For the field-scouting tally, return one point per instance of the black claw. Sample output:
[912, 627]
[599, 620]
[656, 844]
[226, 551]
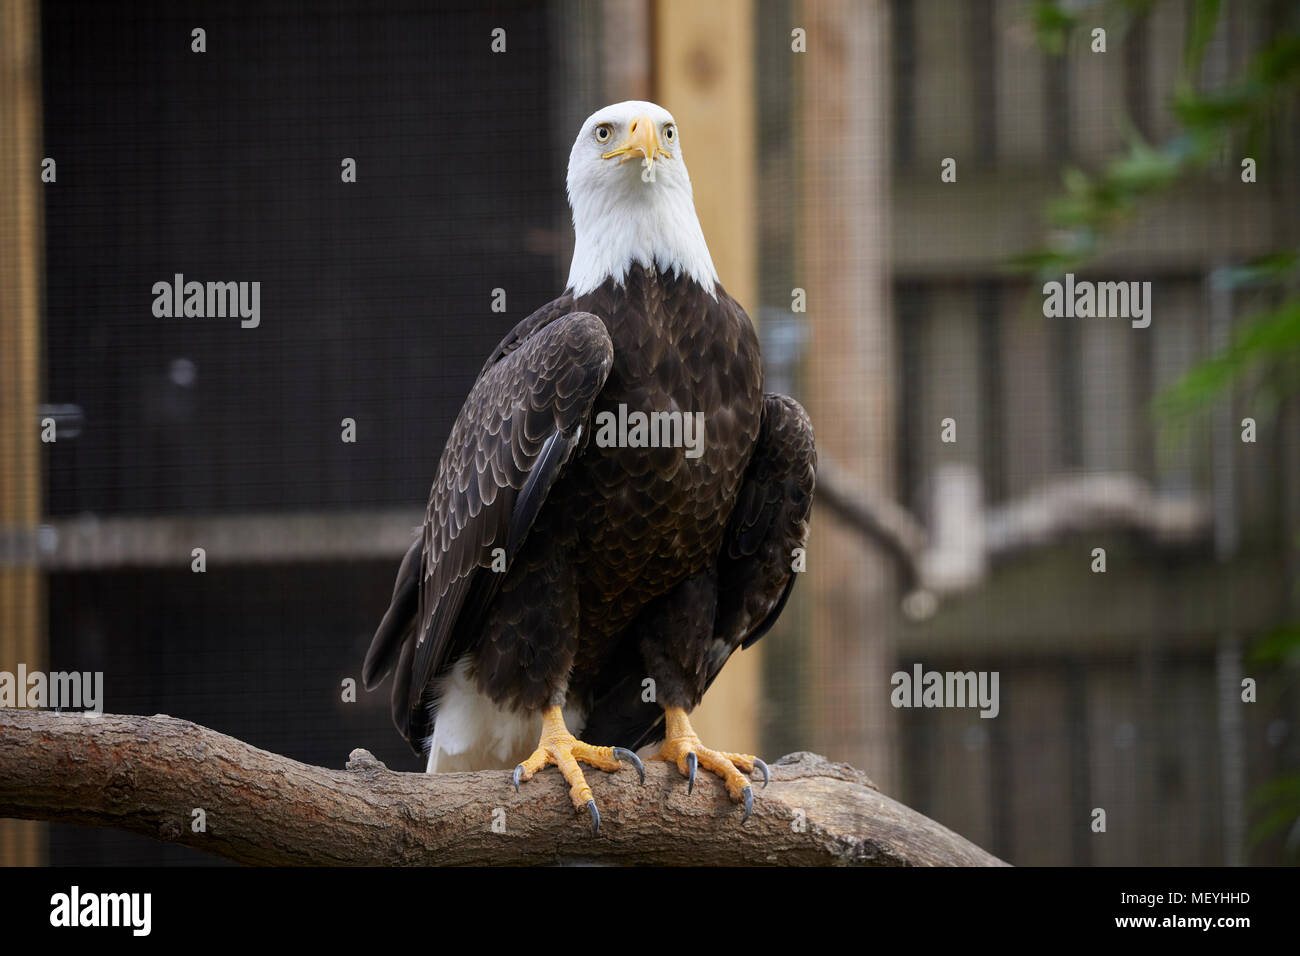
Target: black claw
[767, 774]
[622, 753]
[693, 762]
[595, 817]
[518, 774]
[749, 803]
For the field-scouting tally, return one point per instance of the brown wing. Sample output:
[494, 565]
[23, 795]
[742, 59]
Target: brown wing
[518, 428]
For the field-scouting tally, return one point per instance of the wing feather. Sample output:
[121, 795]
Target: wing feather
[518, 428]
[398, 620]
[770, 520]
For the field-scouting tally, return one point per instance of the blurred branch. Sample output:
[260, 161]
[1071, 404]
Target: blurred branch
[148, 774]
[957, 561]
[1092, 503]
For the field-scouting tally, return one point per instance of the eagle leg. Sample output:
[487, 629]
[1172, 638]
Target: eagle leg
[682, 747]
[558, 746]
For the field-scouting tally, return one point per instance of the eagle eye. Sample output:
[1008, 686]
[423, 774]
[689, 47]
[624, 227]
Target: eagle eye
[670, 132]
[603, 133]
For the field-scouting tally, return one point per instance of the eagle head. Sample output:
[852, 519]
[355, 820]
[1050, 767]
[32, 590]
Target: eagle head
[631, 199]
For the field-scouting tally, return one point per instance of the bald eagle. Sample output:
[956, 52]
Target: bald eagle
[617, 508]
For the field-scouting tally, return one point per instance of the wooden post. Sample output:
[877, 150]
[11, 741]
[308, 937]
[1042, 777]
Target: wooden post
[844, 267]
[626, 49]
[22, 611]
[704, 75]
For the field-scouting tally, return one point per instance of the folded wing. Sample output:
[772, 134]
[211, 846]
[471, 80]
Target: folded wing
[519, 427]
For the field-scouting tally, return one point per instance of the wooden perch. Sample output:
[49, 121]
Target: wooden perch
[149, 774]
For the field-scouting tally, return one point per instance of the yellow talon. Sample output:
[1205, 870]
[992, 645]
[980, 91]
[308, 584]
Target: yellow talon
[682, 747]
[559, 747]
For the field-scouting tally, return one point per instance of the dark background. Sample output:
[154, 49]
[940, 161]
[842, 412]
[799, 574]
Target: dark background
[375, 306]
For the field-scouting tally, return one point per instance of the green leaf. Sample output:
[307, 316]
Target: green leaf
[1052, 24]
[1205, 15]
[1145, 169]
[1265, 270]
[1277, 648]
[1273, 335]
[1279, 788]
[1275, 821]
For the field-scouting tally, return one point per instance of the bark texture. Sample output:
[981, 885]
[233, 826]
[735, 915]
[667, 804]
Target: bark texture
[149, 774]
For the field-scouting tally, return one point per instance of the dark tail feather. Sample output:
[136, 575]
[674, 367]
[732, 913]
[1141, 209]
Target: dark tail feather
[401, 691]
[398, 620]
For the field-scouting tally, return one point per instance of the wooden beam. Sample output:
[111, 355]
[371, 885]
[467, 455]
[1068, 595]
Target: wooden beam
[22, 594]
[970, 233]
[844, 85]
[704, 75]
[626, 48]
[88, 542]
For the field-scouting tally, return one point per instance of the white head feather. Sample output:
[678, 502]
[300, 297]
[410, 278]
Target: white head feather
[625, 212]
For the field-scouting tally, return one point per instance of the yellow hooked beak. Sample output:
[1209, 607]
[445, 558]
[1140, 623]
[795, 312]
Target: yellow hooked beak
[641, 138]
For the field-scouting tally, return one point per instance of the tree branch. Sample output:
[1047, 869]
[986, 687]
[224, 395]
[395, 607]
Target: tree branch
[148, 774]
